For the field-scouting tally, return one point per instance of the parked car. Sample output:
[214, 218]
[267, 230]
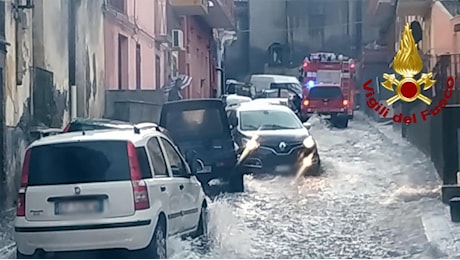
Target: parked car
[233, 99]
[263, 82]
[200, 126]
[239, 88]
[284, 144]
[288, 94]
[87, 124]
[124, 190]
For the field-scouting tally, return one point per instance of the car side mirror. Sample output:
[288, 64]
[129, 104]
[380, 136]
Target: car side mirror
[307, 125]
[233, 121]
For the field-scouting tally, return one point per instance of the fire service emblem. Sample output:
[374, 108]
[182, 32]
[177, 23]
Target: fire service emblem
[407, 63]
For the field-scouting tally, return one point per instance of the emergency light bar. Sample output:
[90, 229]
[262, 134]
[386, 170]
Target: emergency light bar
[327, 56]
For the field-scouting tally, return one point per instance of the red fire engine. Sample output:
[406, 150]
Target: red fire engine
[328, 81]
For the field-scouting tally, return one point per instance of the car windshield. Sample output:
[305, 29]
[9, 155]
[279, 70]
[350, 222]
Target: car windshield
[268, 120]
[325, 92]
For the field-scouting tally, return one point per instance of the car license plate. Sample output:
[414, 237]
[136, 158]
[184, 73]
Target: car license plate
[78, 207]
[282, 168]
[205, 169]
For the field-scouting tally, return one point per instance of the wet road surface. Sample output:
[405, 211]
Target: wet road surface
[367, 204]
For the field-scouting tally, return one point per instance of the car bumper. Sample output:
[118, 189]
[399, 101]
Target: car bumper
[267, 161]
[311, 111]
[52, 236]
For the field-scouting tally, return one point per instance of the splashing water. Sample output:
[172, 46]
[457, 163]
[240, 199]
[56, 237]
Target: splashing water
[251, 145]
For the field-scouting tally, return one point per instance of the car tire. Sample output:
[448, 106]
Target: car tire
[202, 228]
[315, 170]
[157, 248]
[237, 183]
[19, 255]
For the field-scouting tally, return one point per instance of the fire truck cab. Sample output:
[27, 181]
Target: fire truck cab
[328, 87]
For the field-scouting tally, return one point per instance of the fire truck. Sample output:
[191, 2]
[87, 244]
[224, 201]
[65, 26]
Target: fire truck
[328, 87]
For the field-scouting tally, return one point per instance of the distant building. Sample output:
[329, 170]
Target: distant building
[278, 34]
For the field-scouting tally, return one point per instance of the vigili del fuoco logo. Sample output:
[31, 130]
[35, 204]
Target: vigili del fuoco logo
[407, 63]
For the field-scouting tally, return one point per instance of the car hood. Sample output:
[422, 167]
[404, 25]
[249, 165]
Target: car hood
[274, 137]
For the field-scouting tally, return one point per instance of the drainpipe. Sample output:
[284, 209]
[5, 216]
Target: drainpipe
[225, 38]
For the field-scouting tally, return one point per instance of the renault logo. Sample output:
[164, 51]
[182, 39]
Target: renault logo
[77, 190]
[282, 146]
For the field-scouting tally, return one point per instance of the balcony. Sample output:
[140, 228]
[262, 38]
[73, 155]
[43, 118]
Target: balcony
[190, 7]
[413, 7]
[380, 11]
[221, 14]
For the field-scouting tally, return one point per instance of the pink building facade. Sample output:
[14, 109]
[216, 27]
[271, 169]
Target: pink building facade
[134, 59]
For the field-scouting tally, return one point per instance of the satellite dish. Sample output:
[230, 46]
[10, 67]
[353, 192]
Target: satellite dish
[417, 31]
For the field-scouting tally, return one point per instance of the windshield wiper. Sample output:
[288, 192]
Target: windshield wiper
[251, 127]
[275, 127]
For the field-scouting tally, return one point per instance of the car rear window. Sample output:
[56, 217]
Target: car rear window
[325, 92]
[202, 123]
[79, 162]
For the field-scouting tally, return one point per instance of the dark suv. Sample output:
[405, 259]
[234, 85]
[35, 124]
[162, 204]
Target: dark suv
[200, 126]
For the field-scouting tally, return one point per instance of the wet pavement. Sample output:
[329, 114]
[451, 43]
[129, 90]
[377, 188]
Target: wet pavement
[7, 245]
[370, 202]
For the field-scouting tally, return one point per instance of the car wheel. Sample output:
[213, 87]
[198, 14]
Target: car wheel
[22, 256]
[157, 249]
[314, 170]
[160, 246]
[237, 183]
[202, 228]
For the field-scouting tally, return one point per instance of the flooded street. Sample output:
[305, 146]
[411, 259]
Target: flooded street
[366, 204]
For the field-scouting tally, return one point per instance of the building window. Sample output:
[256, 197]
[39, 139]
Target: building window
[119, 5]
[157, 72]
[138, 66]
[122, 62]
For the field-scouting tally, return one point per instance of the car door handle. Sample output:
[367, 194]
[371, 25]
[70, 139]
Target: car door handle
[163, 188]
[181, 187]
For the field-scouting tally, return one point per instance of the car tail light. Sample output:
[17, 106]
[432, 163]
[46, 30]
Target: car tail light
[21, 201]
[305, 65]
[345, 102]
[140, 192]
[306, 102]
[66, 129]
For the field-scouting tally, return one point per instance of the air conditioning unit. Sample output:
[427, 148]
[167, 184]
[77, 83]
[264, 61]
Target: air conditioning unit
[178, 39]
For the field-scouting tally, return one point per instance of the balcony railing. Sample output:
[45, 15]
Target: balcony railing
[190, 7]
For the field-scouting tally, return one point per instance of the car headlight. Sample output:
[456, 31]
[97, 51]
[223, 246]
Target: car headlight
[309, 142]
[250, 144]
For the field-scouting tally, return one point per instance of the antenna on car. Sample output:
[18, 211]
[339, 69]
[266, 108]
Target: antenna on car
[137, 130]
